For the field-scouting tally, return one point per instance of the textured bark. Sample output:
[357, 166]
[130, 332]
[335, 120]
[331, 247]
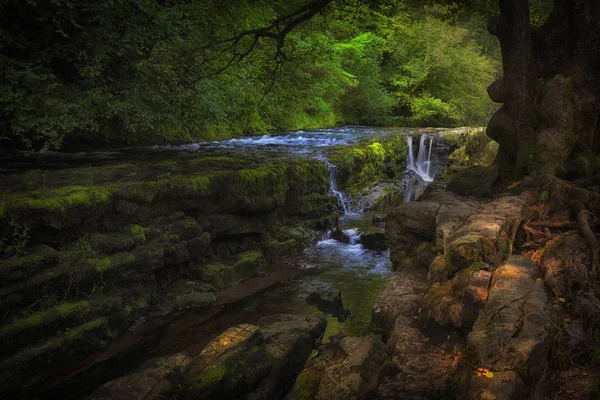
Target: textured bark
[550, 88]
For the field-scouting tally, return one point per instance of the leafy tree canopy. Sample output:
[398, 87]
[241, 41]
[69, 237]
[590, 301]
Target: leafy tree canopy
[156, 70]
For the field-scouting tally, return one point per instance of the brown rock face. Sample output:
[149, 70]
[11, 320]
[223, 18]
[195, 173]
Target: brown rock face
[564, 264]
[347, 369]
[456, 303]
[401, 296]
[420, 370]
[513, 333]
[434, 218]
[488, 234]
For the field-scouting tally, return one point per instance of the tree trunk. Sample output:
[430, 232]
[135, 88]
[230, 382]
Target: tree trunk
[550, 90]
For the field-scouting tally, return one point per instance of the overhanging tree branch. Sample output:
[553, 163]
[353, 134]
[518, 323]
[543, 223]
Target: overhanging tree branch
[277, 30]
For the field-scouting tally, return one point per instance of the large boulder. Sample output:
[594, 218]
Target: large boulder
[564, 264]
[373, 238]
[513, 333]
[345, 370]
[252, 362]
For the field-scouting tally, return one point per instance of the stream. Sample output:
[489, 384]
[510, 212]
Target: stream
[358, 273]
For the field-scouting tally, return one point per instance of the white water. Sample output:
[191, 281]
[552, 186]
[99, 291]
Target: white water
[344, 202]
[422, 164]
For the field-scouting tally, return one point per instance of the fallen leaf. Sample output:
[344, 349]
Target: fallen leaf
[514, 184]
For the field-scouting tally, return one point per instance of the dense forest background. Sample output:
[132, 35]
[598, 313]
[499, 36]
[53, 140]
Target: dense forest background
[112, 71]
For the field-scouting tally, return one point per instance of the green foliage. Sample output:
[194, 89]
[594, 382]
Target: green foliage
[437, 73]
[148, 70]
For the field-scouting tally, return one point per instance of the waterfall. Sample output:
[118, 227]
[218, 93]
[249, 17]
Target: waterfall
[410, 163]
[422, 165]
[343, 200]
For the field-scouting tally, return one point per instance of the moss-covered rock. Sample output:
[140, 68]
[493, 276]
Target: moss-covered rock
[364, 165]
[248, 264]
[253, 361]
[187, 293]
[217, 274]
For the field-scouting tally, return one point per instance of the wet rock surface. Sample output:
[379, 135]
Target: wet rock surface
[252, 362]
[330, 303]
[373, 238]
[245, 361]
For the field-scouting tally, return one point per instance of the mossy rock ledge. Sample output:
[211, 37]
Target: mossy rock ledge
[86, 251]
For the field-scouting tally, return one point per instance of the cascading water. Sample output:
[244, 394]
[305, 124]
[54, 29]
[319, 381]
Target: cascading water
[422, 165]
[344, 203]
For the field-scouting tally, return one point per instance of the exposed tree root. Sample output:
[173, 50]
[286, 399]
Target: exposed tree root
[553, 224]
[588, 234]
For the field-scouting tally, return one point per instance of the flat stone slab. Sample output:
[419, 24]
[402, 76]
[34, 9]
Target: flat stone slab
[487, 235]
[513, 333]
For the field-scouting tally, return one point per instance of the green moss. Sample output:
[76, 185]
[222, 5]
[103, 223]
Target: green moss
[365, 165]
[307, 384]
[137, 231]
[38, 319]
[112, 262]
[59, 208]
[218, 275]
[248, 264]
[18, 268]
[211, 376]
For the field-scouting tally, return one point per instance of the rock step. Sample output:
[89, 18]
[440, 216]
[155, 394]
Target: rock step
[487, 235]
[512, 335]
[244, 362]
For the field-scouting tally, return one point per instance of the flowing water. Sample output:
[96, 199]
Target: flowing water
[358, 273]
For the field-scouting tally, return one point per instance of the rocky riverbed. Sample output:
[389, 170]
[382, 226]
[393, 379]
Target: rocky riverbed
[181, 272]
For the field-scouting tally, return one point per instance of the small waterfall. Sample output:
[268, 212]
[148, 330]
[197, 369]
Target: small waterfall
[343, 200]
[422, 165]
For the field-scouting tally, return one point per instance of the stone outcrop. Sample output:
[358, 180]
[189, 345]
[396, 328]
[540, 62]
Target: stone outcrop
[245, 361]
[487, 236]
[252, 362]
[564, 264]
[512, 335]
[418, 369]
[401, 297]
[433, 218]
[471, 284]
[346, 369]
[457, 302]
